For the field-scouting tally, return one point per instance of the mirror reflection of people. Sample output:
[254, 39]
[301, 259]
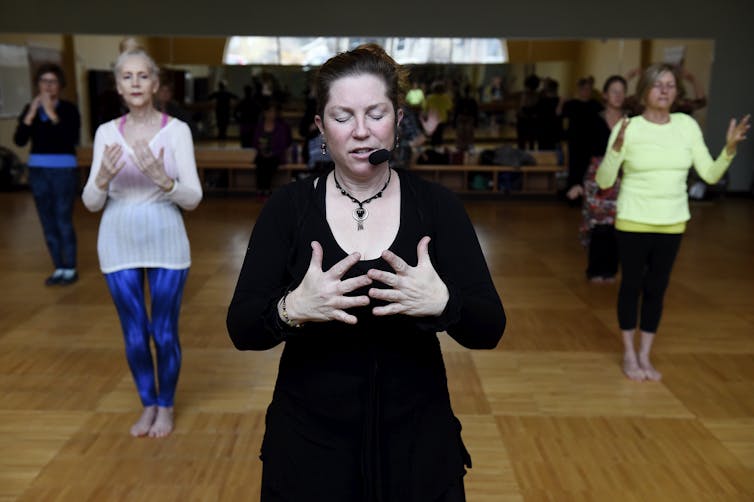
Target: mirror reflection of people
[143, 174]
[223, 99]
[165, 102]
[655, 151]
[581, 114]
[53, 125]
[356, 271]
[271, 140]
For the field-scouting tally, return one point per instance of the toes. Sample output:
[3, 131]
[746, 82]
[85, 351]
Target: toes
[653, 374]
[650, 372]
[634, 372]
[139, 431]
[636, 375]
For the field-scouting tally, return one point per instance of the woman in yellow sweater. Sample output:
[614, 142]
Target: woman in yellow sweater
[656, 150]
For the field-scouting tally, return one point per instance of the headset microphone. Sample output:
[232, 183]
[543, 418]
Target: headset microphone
[379, 156]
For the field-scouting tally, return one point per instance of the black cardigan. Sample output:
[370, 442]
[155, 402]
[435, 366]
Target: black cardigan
[362, 412]
[47, 137]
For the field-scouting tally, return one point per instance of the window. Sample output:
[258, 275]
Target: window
[313, 51]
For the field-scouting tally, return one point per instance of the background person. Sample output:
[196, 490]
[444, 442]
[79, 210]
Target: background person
[143, 174]
[597, 230]
[655, 151]
[53, 126]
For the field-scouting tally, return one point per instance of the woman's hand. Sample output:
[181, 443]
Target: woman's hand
[736, 134]
[49, 105]
[110, 166]
[416, 291]
[574, 192]
[618, 143]
[33, 107]
[153, 167]
[321, 296]
[430, 121]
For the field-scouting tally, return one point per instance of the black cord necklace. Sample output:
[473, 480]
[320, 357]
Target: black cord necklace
[360, 214]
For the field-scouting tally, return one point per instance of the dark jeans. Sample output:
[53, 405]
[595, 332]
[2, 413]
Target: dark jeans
[646, 261]
[603, 252]
[55, 190]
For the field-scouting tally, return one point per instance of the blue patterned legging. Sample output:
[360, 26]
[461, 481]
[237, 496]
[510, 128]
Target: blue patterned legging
[166, 291]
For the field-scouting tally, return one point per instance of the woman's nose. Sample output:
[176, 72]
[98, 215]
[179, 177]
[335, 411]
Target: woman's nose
[360, 128]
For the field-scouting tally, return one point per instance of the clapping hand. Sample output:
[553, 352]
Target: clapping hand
[416, 291]
[153, 167]
[736, 133]
[321, 296]
[111, 165]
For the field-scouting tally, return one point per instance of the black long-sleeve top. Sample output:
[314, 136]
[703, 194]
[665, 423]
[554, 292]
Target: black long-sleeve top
[362, 412]
[47, 137]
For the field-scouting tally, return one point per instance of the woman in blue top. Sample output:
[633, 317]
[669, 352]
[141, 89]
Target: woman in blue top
[53, 125]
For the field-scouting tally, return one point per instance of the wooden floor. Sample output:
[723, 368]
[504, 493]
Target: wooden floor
[547, 415]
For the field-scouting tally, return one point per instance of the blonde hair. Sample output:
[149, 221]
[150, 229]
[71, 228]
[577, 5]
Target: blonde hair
[130, 47]
[652, 75]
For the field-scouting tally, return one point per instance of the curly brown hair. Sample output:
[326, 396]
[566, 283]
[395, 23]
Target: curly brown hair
[50, 68]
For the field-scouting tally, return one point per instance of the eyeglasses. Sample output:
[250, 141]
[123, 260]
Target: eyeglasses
[48, 81]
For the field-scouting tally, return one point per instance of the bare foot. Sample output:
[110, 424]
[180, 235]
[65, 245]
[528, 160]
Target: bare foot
[163, 424]
[650, 371]
[142, 426]
[647, 339]
[632, 370]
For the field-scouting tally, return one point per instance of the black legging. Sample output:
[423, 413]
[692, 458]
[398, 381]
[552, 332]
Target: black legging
[646, 261]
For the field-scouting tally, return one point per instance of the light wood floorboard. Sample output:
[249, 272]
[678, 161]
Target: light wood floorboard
[547, 415]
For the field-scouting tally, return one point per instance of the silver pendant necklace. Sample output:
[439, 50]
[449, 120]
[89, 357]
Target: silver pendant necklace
[360, 214]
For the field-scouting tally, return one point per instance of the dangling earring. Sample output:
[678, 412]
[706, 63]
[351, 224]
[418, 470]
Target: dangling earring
[397, 140]
[323, 148]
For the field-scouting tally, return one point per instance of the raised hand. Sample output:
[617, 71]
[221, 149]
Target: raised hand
[47, 103]
[736, 133]
[574, 192]
[416, 291]
[321, 296]
[618, 143]
[153, 167]
[33, 107]
[632, 73]
[430, 122]
[110, 166]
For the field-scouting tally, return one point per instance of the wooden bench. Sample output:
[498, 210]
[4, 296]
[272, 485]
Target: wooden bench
[221, 169]
[238, 166]
[538, 179]
[232, 170]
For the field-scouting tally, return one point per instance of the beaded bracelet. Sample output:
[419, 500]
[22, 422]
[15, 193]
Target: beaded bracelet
[284, 313]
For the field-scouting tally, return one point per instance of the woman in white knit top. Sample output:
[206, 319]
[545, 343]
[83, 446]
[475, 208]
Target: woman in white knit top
[143, 171]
